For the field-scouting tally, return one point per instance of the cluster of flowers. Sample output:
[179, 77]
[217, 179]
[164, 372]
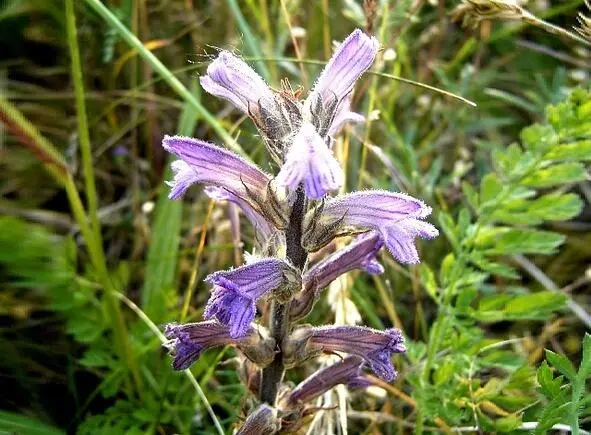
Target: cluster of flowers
[293, 215]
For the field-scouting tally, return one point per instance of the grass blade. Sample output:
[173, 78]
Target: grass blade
[251, 43]
[187, 372]
[83, 135]
[164, 72]
[163, 252]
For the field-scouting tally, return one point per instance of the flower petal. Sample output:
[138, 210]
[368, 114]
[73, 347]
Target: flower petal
[262, 421]
[311, 162]
[371, 208]
[398, 218]
[399, 238]
[360, 253]
[231, 309]
[188, 341]
[331, 93]
[343, 116]
[235, 292]
[346, 371]
[184, 177]
[209, 164]
[230, 78]
[253, 279]
[376, 347]
[261, 225]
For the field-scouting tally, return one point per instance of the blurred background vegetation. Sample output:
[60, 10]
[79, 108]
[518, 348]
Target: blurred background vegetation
[94, 258]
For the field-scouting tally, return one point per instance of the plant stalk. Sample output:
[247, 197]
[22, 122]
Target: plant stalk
[83, 132]
[279, 321]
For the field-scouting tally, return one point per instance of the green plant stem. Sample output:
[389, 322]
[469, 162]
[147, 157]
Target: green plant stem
[249, 39]
[372, 100]
[29, 136]
[93, 235]
[578, 385]
[551, 28]
[164, 72]
[83, 134]
[98, 261]
[265, 23]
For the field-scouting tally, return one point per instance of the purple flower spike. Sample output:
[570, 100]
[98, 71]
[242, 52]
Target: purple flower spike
[375, 347]
[202, 162]
[235, 292]
[310, 161]
[396, 216]
[255, 218]
[188, 341]
[334, 85]
[346, 371]
[230, 78]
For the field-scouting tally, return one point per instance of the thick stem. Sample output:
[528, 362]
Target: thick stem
[279, 322]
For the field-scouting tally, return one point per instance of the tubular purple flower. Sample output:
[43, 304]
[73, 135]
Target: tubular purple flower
[334, 85]
[202, 162]
[344, 116]
[359, 254]
[396, 216]
[188, 341]
[347, 371]
[309, 159]
[236, 291]
[230, 78]
[375, 347]
[352, 58]
[261, 224]
[311, 162]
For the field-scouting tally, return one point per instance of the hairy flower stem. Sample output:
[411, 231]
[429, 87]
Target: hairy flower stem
[279, 322]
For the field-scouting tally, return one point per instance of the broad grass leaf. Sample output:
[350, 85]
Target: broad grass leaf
[162, 254]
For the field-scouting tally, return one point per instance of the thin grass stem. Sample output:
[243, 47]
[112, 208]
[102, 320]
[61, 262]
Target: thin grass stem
[195, 271]
[164, 72]
[144, 318]
[249, 39]
[81, 117]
